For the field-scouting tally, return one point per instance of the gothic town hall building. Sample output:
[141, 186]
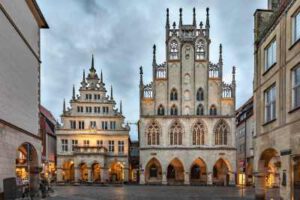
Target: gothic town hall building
[187, 122]
[92, 143]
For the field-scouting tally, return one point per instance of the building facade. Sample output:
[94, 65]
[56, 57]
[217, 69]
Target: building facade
[277, 99]
[134, 160]
[20, 144]
[48, 137]
[187, 112]
[245, 131]
[92, 143]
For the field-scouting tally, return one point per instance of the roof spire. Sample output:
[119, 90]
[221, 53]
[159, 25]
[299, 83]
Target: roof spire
[167, 19]
[111, 93]
[221, 60]
[73, 95]
[233, 75]
[101, 77]
[64, 106]
[180, 17]
[121, 107]
[174, 25]
[207, 25]
[92, 69]
[201, 25]
[141, 76]
[154, 56]
[194, 17]
[83, 82]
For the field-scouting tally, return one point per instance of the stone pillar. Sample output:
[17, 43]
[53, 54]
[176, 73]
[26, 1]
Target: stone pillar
[126, 174]
[186, 178]
[164, 178]
[59, 175]
[142, 177]
[260, 186]
[89, 174]
[209, 178]
[76, 174]
[102, 175]
[231, 178]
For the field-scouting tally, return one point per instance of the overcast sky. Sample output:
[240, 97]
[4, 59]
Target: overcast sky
[121, 34]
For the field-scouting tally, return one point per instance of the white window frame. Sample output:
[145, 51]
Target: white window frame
[270, 54]
[121, 147]
[296, 87]
[296, 27]
[111, 146]
[64, 145]
[74, 144]
[270, 103]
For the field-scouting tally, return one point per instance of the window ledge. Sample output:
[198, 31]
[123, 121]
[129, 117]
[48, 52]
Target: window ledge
[271, 67]
[269, 122]
[294, 109]
[294, 44]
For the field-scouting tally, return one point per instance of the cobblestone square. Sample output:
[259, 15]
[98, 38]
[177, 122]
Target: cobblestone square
[150, 192]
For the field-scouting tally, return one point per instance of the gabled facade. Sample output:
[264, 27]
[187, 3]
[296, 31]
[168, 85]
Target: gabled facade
[187, 112]
[92, 143]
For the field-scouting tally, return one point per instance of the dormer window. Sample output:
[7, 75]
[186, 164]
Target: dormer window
[200, 50]
[174, 50]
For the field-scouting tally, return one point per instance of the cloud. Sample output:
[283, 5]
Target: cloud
[121, 33]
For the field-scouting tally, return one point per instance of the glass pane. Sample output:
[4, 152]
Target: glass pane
[297, 27]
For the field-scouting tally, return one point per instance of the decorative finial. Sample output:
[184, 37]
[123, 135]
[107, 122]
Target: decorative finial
[83, 82]
[64, 106]
[141, 75]
[92, 69]
[174, 25]
[101, 77]
[111, 93]
[207, 26]
[194, 17]
[73, 95]
[121, 107]
[180, 17]
[220, 54]
[201, 25]
[233, 74]
[167, 20]
[154, 56]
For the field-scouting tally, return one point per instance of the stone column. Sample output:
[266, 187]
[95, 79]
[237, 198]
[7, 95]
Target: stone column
[102, 175]
[186, 178]
[126, 174]
[164, 178]
[76, 174]
[260, 186]
[209, 178]
[231, 178]
[89, 174]
[59, 174]
[142, 177]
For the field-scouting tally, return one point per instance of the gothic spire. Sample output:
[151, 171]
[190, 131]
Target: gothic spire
[180, 17]
[111, 93]
[154, 56]
[174, 25]
[221, 60]
[83, 82]
[207, 25]
[121, 107]
[101, 77]
[141, 76]
[64, 106]
[92, 69]
[167, 19]
[194, 17]
[233, 75]
[201, 25]
[73, 93]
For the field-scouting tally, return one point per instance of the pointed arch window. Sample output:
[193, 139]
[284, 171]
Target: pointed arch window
[200, 109]
[198, 133]
[176, 133]
[161, 110]
[153, 134]
[200, 94]
[174, 110]
[173, 95]
[221, 133]
[173, 50]
[213, 110]
[200, 50]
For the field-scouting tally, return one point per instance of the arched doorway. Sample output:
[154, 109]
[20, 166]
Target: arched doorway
[27, 169]
[68, 171]
[175, 172]
[116, 172]
[83, 172]
[267, 183]
[198, 172]
[153, 174]
[297, 180]
[221, 173]
[96, 175]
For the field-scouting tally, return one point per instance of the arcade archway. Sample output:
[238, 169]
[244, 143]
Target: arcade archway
[68, 171]
[96, 175]
[83, 172]
[153, 173]
[198, 172]
[175, 172]
[116, 172]
[221, 173]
